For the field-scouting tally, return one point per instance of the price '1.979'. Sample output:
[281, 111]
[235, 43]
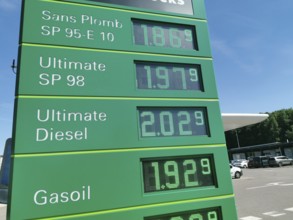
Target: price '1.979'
[165, 76]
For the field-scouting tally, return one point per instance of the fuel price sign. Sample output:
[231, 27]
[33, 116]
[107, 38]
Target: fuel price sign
[117, 114]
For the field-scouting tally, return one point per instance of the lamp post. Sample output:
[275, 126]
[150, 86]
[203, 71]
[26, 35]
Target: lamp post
[237, 138]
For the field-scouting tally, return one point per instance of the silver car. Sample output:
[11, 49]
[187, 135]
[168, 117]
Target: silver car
[280, 161]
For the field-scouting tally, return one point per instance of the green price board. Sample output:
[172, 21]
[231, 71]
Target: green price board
[115, 29]
[70, 124]
[123, 178]
[117, 114]
[70, 71]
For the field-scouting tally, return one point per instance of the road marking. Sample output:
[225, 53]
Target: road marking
[246, 178]
[250, 218]
[287, 184]
[267, 185]
[271, 184]
[289, 209]
[274, 214]
[271, 214]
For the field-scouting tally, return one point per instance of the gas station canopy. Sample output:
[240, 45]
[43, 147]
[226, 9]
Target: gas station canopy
[233, 121]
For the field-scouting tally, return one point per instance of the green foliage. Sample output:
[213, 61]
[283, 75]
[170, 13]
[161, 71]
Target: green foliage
[277, 128]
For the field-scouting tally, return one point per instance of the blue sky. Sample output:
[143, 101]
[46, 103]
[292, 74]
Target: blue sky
[252, 47]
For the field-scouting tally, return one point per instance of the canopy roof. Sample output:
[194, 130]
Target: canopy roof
[232, 121]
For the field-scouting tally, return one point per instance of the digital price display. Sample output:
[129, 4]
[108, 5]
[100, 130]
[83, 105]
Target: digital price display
[178, 173]
[168, 35]
[203, 214]
[172, 121]
[167, 76]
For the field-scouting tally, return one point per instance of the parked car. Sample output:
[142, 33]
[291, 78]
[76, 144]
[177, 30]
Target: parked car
[242, 163]
[280, 161]
[260, 161]
[235, 172]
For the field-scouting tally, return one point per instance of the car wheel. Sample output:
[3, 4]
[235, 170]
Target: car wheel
[237, 175]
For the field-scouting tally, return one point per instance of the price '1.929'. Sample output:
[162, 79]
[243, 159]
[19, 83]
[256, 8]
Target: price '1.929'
[177, 173]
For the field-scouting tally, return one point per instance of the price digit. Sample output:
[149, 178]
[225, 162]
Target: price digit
[155, 165]
[212, 215]
[185, 123]
[188, 35]
[181, 71]
[145, 34]
[174, 36]
[206, 168]
[149, 76]
[189, 172]
[158, 36]
[162, 73]
[199, 119]
[193, 75]
[166, 123]
[148, 124]
[171, 170]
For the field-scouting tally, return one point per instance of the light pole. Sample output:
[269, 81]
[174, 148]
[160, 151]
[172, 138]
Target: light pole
[237, 138]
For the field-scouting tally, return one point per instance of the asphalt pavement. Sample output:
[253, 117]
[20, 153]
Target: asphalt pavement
[265, 194]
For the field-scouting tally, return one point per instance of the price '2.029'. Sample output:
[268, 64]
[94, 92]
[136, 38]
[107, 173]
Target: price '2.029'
[168, 122]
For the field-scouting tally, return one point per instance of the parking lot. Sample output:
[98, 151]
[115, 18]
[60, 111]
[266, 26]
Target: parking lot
[265, 193]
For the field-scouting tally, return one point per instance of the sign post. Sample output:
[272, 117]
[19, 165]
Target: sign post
[117, 114]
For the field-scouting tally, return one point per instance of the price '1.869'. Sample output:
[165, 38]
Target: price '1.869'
[158, 34]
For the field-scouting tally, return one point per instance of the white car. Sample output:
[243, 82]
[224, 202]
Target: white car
[242, 163]
[235, 172]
